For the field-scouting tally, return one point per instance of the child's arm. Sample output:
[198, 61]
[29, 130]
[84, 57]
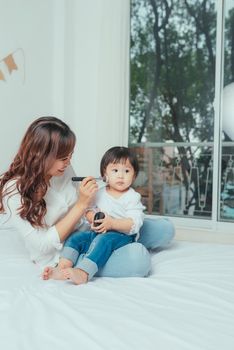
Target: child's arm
[109, 223]
[132, 221]
[122, 225]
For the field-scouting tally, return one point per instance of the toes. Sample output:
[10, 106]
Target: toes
[47, 272]
[67, 274]
[45, 276]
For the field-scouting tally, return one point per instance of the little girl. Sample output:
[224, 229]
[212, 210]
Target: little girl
[121, 225]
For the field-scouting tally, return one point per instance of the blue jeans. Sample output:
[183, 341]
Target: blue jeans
[133, 260]
[96, 247]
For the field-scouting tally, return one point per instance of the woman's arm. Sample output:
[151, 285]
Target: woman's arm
[87, 191]
[112, 224]
[42, 241]
[38, 241]
[130, 223]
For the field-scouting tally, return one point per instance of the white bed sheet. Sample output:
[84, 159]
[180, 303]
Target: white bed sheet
[186, 303]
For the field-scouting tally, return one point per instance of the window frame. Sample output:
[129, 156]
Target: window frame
[214, 223]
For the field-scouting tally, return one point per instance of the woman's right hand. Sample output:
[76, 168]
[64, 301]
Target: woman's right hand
[87, 191]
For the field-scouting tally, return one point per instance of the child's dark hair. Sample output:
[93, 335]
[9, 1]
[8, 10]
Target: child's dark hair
[119, 155]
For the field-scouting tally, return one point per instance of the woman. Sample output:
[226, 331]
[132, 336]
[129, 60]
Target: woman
[38, 199]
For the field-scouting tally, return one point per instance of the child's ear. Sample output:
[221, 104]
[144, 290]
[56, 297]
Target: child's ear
[105, 178]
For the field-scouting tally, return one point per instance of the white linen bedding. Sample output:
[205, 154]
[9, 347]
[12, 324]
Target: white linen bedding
[186, 303]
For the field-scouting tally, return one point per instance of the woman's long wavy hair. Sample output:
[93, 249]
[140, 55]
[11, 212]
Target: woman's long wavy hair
[47, 139]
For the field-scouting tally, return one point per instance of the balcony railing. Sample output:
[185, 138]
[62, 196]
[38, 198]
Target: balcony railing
[176, 179]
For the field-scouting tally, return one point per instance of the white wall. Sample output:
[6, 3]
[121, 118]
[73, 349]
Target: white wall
[96, 78]
[76, 67]
[27, 92]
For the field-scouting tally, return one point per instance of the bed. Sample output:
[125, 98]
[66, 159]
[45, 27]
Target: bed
[186, 303]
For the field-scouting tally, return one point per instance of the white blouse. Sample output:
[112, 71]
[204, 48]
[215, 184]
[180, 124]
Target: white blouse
[43, 244]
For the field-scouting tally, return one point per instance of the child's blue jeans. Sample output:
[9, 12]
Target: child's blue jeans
[96, 247]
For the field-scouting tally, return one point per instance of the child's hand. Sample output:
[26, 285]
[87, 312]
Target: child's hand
[90, 216]
[104, 224]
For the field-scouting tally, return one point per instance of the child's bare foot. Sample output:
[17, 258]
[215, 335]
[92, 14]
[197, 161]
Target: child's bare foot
[54, 273]
[77, 276]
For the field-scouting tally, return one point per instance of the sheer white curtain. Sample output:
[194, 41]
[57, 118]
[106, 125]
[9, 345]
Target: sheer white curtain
[97, 78]
[228, 110]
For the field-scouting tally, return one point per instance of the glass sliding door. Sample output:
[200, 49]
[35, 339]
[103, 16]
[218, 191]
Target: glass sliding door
[172, 92]
[227, 151]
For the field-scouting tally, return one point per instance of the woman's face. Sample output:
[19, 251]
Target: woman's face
[59, 166]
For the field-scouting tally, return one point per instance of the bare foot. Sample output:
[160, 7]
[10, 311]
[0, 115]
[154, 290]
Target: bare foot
[77, 276]
[54, 273]
[64, 263]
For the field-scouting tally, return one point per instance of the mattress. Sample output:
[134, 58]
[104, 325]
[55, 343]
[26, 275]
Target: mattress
[186, 303]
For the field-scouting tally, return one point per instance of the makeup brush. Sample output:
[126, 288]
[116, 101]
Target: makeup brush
[81, 178]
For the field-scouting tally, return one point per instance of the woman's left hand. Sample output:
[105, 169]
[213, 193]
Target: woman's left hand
[105, 224]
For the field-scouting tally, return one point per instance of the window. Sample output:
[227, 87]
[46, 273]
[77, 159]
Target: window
[173, 87]
[227, 164]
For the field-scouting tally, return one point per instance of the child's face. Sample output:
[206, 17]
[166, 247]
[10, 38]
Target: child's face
[120, 176]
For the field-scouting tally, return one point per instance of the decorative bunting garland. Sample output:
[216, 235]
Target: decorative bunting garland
[2, 76]
[10, 63]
